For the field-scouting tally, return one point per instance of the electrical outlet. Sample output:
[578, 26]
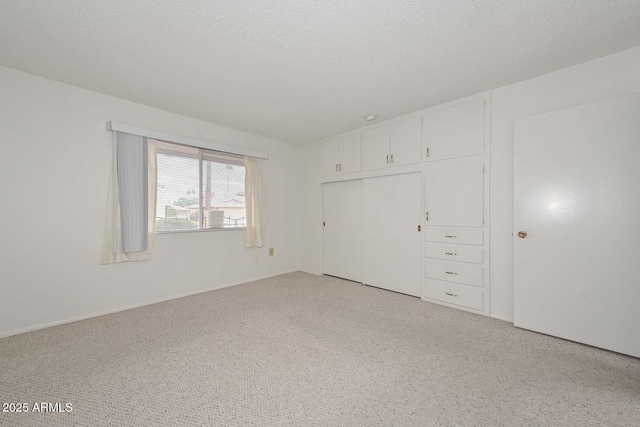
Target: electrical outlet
[255, 257]
[270, 251]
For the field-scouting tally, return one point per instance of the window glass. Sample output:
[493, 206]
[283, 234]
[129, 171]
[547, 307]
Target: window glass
[223, 195]
[199, 189]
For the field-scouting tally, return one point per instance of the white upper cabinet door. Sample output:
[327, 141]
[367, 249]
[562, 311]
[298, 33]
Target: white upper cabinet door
[330, 155]
[454, 196]
[406, 142]
[454, 132]
[350, 154]
[375, 148]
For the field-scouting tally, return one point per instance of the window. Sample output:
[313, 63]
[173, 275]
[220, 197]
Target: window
[199, 189]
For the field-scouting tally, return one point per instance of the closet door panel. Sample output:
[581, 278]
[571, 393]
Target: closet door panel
[454, 196]
[391, 241]
[342, 231]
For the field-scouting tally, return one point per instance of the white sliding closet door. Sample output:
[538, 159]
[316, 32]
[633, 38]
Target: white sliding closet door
[342, 231]
[577, 198]
[391, 241]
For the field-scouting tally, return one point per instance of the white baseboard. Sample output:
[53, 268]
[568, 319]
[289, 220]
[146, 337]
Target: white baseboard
[241, 283]
[136, 305]
[315, 273]
[499, 317]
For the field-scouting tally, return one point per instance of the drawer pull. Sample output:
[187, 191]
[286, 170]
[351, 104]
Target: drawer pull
[450, 253]
[451, 295]
[450, 272]
[451, 237]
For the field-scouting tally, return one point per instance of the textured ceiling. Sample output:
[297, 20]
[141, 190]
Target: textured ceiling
[300, 70]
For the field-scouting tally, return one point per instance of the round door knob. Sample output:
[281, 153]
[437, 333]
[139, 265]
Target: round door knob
[522, 234]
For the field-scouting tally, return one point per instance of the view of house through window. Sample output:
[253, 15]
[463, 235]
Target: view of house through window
[199, 189]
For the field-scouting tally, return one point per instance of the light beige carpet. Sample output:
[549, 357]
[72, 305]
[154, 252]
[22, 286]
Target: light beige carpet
[303, 350]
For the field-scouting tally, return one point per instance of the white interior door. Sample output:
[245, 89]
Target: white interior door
[391, 241]
[454, 195]
[577, 196]
[342, 231]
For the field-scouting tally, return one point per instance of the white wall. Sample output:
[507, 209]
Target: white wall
[606, 77]
[55, 157]
[54, 164]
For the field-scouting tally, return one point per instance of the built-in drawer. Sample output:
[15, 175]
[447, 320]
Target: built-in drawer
[454, 252]
[468, 274]
[454, 235]
[466, 296]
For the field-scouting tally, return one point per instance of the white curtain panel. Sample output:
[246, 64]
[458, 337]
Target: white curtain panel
[254, 203]
[131, 200]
